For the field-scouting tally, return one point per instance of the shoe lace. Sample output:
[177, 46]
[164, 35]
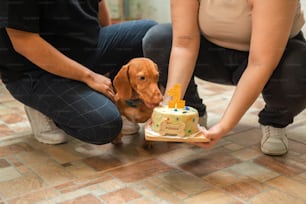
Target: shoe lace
[274, 132]
[47, 122]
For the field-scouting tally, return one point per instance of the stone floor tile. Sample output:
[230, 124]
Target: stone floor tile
[14, 149]
[103, 162]
[35, 197]
[111, 185]
[12, 118]
[214, 196]
[176, 155]
[80, 170]
[158, 191]
[233, 147]
[76, 185]
[4, 163]
[246, 138]
[275, 196]
[281, 167]
[44, 166]
[298, 133]
[5, 130]
[147, 187]
[162, 196]
[247, 154]
[20, 185]
[289, 186]
[244, 190]
[143, 201]
[187, 183]
[224, 177]
[120, 196]
[84, 199]
[8, 173]
[62, 153]
[209, 164]
[298, 147]
[254, 171]
[140, 170]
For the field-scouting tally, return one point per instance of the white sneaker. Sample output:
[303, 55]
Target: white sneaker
[44, 129]
[129, 127]
[274, 140]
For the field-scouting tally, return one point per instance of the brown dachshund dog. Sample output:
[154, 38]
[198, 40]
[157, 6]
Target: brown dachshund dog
[137, 91]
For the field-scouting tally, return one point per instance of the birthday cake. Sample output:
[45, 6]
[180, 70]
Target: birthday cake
[175, 121]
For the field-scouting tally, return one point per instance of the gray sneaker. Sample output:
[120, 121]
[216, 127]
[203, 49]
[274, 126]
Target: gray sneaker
[44, 129]
[129, 127]
[274, 140]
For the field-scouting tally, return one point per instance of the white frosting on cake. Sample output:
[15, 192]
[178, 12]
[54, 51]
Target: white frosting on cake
[175, 121]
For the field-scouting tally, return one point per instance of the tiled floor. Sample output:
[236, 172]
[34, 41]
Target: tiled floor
[235, 171]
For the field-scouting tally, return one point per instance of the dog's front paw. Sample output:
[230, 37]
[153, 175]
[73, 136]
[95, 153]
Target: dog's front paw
[148, 145]
[117, 140]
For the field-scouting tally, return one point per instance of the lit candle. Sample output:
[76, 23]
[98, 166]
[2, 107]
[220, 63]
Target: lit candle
[176, 101]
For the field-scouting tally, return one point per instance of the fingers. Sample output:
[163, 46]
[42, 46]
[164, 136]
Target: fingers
[110, 94]
[212, 136]
[109, 90]
[102, 84]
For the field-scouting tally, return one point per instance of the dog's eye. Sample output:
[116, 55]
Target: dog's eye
[142, 78]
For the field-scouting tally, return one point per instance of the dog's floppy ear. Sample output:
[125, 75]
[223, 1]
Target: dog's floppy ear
[122, 84]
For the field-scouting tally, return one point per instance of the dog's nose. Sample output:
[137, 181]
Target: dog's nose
[157, 97]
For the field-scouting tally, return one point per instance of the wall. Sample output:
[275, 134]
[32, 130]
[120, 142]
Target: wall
[158, 10]
[304, 8]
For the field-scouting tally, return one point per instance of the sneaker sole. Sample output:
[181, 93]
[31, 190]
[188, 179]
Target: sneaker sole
[49, 142]
[273, 153]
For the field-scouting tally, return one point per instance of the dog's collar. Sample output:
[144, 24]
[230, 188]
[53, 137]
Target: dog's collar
[133, 102]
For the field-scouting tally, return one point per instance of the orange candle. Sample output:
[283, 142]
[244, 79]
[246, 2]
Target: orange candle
[176, 101]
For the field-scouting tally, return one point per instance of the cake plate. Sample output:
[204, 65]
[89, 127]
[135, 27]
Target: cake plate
[151, 135]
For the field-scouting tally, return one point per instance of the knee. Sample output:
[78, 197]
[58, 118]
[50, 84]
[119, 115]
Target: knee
[158, 36]
[157, 46]
[287, 85]
[149, 23]
[96, 128]
[105, 132]
[291, 71]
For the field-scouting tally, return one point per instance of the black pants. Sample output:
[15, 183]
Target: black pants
[284, 94]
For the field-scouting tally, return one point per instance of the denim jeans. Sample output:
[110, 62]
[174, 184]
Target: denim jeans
[284, 94]
[77, 109]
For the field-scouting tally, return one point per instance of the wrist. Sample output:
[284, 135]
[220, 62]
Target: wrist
[87, 76]
[225, 127]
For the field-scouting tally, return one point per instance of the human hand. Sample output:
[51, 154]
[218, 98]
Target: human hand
[214, 134]
[101, 84]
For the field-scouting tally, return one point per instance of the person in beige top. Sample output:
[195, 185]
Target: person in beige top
[253, 44]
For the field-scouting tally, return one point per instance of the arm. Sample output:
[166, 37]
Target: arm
[271, 25]
[104, 15]
[186, 42]
[45, 56]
